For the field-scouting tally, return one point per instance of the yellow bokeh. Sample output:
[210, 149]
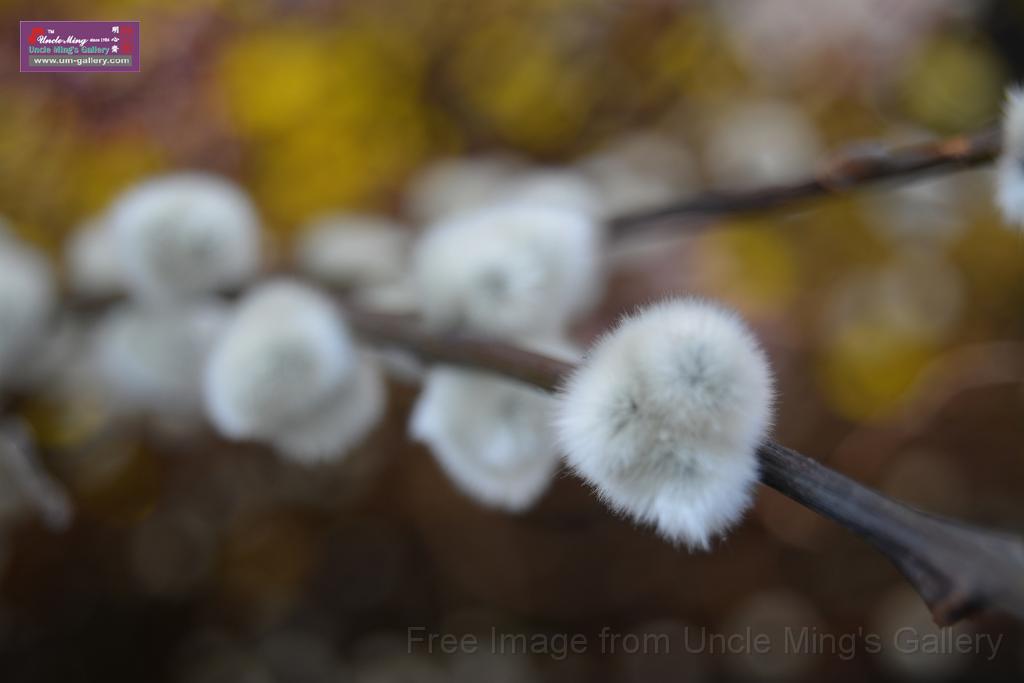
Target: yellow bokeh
[331, 163]
[115, 162]
[523, 87]
[274, 79]
[747, 265]
[74, 170]
[687, 56]
[338, 122]
[954, 84]
[65, 424]
[866, 370]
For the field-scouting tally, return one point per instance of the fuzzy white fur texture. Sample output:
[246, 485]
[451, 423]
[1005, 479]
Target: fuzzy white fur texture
[492, 437]
[640, 171]
[557, 187]
[185, 234]
[340, 422]
[450, 186]
[664, 416]
[285, 352]
[759, 142]
[353, 250]
[509, 270]
[92, 260]
[150, 360]
[1010, 166]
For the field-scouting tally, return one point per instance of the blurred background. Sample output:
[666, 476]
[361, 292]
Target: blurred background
[892, 317]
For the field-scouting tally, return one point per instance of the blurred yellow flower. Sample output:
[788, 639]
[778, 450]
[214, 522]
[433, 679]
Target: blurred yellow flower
[866, 370]
[747, 265]
[516, 78]
[351, 106]
[954, 84]
[274, 79]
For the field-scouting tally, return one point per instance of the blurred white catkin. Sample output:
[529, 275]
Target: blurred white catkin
[1010, 165]
[509, 270]
[284, 352]
[184, 235]
[353, 250]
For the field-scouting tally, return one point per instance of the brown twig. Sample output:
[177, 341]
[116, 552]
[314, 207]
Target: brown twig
[956, 568]
[844, 173]
[457, 349]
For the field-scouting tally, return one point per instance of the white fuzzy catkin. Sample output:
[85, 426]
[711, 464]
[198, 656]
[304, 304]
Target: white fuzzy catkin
[509, 269]
[27, 300]
[150, 360]
[492, 437]
[185, 234]
[664, 416]
[787, 44]
[92, 260]
[560, 188]
[399, 296]
[285, 351]
[759, 142]
[344, 418]
[1010, 166]
[353, 250]
[449, 186]
[638, 171]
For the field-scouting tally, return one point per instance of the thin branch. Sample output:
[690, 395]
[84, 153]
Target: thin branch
[844, 173]
[457, 349]
[956, 568]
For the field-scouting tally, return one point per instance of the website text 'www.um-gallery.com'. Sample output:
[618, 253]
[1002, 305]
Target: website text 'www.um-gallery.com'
[81, 61]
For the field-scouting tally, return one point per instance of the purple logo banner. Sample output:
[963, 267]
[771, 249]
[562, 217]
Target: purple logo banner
[71, 46]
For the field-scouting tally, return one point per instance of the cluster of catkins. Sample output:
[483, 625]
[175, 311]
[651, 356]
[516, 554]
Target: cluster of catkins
[277, 366]
[663, 418]
[663, 415]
